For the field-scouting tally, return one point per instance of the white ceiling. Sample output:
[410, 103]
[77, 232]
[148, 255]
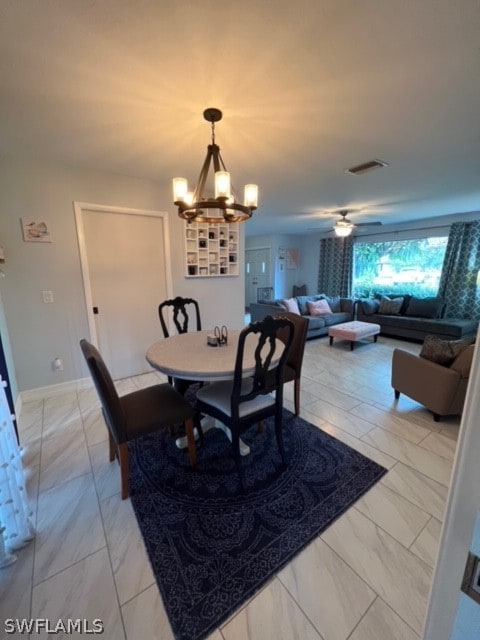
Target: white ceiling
[307, 88]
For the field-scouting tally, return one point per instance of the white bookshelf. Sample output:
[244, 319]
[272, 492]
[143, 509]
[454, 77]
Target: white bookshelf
[211, 250]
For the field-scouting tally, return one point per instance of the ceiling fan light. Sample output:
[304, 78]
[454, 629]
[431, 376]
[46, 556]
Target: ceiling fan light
[342, 231]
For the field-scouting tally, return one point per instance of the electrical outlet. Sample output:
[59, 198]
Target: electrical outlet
[57, 364]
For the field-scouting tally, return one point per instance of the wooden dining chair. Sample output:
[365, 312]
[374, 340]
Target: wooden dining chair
[135, 414]
[182, 311]
[293, 366]
[244, 401]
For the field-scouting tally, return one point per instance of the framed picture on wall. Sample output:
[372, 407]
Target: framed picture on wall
[35, 230]
[293, 258]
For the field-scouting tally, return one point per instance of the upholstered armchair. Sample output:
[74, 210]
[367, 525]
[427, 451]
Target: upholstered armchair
[440, 388]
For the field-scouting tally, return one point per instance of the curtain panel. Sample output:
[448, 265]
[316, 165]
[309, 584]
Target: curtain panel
[336, 266]
[459, 285]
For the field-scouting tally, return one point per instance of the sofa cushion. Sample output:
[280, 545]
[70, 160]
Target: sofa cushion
[316, 322]
[318, 308]
[370, 306]
[335, 303]
[442, 351]
[390, 307]
[291, 305]
[424, 307]
[277, 303]
[337, 318]
[302, 302]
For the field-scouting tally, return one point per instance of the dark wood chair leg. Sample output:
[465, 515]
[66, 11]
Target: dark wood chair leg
[296, 391]
[436, 417]
[331, 340]
[237, 458]
[112, 448]
[352, 344]
[397, 394]
[279, 434]
[192, 449]
[198, 425]
[123, 459]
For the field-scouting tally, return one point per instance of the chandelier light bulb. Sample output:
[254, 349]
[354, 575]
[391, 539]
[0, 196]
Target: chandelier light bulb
[180, 189]
[189, 198]
[251, 195]
[222, 184]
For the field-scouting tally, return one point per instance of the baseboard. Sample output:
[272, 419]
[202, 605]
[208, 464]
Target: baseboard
[31, 395]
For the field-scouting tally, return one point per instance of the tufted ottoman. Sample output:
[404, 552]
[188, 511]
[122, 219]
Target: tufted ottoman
[354, 331]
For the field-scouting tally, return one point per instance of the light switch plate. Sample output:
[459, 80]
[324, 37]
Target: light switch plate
[47, 297]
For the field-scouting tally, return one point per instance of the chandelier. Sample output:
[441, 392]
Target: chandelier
[198, 205]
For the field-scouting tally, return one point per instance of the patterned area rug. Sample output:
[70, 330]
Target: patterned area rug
[212, 546]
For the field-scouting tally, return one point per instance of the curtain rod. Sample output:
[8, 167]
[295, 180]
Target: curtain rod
[383, 233]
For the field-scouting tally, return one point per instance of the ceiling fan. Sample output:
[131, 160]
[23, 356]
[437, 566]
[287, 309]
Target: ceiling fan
[345, 226]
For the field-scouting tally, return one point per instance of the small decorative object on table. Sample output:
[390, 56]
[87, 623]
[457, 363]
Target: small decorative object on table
[219, 338]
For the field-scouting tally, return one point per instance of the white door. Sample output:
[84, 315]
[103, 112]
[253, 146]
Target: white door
[127, 275]
[257, 273]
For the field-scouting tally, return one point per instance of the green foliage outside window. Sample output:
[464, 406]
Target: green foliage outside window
[401, 266]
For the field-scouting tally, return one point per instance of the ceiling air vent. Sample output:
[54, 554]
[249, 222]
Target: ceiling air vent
[366, 166]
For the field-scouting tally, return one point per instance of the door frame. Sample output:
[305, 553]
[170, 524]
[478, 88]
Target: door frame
[79, 209]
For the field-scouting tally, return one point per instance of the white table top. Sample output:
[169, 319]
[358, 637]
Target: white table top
[188, 356]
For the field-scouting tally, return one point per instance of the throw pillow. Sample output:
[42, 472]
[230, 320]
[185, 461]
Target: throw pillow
[442, 351]
[369, 307]
[390, 307]
[319, 308]
[291, 305]
[334, 303]
[424, 307]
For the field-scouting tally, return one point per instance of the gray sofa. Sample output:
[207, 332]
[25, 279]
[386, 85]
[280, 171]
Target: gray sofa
[343, 311]
[415, 319]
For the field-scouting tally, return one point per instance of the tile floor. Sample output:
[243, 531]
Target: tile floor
[367, 577]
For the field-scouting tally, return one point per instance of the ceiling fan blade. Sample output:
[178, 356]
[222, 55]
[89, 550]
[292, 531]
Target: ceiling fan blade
[367, 224]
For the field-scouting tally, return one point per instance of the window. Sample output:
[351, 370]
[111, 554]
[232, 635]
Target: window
[402, 266]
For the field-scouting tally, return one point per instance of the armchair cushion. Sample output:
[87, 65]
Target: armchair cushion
[463, 362]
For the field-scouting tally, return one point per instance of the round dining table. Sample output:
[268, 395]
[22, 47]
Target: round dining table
[190, 357]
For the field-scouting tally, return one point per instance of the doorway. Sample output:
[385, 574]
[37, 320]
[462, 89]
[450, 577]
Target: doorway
[125, 261]
[257, 273]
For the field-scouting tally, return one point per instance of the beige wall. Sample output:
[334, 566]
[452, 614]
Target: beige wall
[39, 332]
